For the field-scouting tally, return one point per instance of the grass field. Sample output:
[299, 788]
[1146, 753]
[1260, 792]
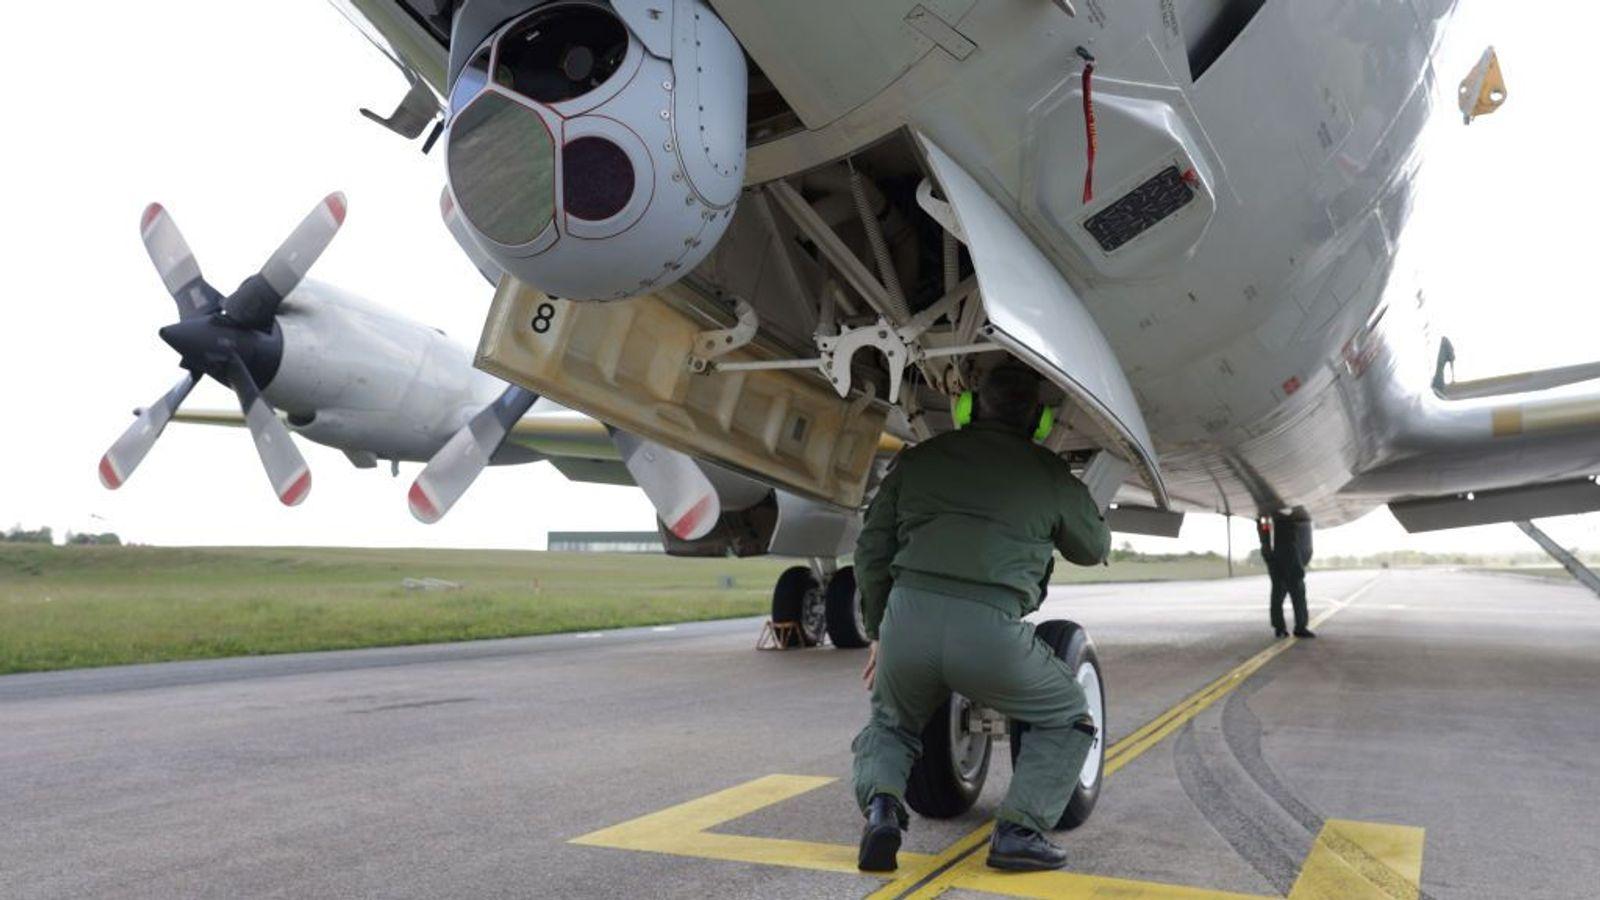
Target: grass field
[67, 607]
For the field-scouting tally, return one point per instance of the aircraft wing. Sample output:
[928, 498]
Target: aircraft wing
[1476, 453]
[564, 436]
[578, 446]
[229, 417]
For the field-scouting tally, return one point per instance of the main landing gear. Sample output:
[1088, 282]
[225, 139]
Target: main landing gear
[824, 602]
[957, 741]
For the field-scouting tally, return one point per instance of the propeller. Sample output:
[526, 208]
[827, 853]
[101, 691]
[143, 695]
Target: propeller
[124, 455]
[457, 464]
[234, 339]
[683, 496]
[681, 493]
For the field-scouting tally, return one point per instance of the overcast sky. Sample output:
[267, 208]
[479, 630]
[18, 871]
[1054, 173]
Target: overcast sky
[239, 117]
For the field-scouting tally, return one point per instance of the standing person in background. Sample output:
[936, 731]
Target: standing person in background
[1286, 549]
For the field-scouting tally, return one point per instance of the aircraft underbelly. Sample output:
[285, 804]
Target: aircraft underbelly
[1237, 232]
[1229, 313]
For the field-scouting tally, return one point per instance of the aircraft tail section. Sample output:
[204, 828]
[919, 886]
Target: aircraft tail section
[1501, 385]
[1475, 453]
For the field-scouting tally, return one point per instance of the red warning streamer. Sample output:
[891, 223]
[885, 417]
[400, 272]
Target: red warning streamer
[1090, 132]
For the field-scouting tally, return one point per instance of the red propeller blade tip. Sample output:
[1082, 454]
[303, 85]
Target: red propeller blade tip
[336, 206]
[108, 474]
[298, 490]
[687, 522]
[421, 506]
[150, 213]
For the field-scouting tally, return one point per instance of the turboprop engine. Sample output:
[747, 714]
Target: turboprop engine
[595, 150]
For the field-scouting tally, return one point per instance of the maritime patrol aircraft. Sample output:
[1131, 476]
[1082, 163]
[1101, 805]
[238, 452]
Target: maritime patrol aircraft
[764, 234]
[1189, 217]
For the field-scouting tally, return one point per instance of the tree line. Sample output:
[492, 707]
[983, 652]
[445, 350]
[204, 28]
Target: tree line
[44, 535]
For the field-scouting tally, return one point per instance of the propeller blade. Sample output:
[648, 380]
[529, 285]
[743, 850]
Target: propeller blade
[683, 496]
[256, 301]
[457, 464]
[175, 261]
[286, 468]
[291, 261]
[125, 455]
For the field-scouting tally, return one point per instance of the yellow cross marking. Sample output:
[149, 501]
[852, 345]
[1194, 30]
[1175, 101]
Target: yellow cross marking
[1354, 860]
[1358, 860]
[685, 830]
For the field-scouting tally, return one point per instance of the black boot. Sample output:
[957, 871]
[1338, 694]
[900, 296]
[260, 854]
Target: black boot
[1303, 632]
[1016, 848]
[1280, 631]
[880, 840]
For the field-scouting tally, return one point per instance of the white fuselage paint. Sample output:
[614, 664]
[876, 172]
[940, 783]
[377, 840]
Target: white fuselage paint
[1242, 324]
[1307, 133]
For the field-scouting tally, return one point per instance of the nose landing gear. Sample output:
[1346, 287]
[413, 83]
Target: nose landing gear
[956, 743]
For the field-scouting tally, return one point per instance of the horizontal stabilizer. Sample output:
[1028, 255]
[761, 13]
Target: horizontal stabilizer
[1520, 382]
[1559, 498]
[1125, 519]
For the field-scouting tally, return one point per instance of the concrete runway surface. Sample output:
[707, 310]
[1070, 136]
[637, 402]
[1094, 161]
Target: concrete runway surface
[1446, 719]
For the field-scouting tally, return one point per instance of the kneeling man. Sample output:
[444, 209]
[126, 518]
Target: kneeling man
[955, 551]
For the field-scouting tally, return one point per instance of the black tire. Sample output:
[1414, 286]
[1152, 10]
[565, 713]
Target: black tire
[846, 626]
[940, 785]
[797, 597]
[1072, 645]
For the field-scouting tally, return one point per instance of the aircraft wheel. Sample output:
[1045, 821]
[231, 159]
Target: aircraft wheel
[797, 597]
[1071, 643]
[947, 779]
[847, 627]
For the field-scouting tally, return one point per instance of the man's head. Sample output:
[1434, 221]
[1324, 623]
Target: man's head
[1009, 395]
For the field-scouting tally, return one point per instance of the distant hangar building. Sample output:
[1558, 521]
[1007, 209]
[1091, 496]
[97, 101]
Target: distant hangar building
[606, 542]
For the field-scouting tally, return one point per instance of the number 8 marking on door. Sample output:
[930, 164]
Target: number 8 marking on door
[542, 316]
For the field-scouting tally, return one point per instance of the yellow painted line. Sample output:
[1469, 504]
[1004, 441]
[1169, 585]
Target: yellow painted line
[1362, 861]
[1348, 861]
[917, 883]
[684, 830]
[974, 875]
[1152, 732]
[926, 875]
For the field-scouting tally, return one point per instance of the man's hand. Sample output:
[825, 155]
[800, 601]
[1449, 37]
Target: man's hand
[869, 675]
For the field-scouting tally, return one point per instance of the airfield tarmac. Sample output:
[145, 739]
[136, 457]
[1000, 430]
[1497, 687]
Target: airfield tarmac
[1441, 719]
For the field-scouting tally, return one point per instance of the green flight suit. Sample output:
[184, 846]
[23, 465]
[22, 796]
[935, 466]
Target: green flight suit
[954, 551]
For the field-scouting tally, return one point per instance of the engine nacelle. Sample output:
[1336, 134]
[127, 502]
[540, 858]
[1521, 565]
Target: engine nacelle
[359, 377]
[596, 149]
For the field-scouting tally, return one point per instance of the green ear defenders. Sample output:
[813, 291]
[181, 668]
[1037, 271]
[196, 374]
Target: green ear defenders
[961, 411]
[1047, 421]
